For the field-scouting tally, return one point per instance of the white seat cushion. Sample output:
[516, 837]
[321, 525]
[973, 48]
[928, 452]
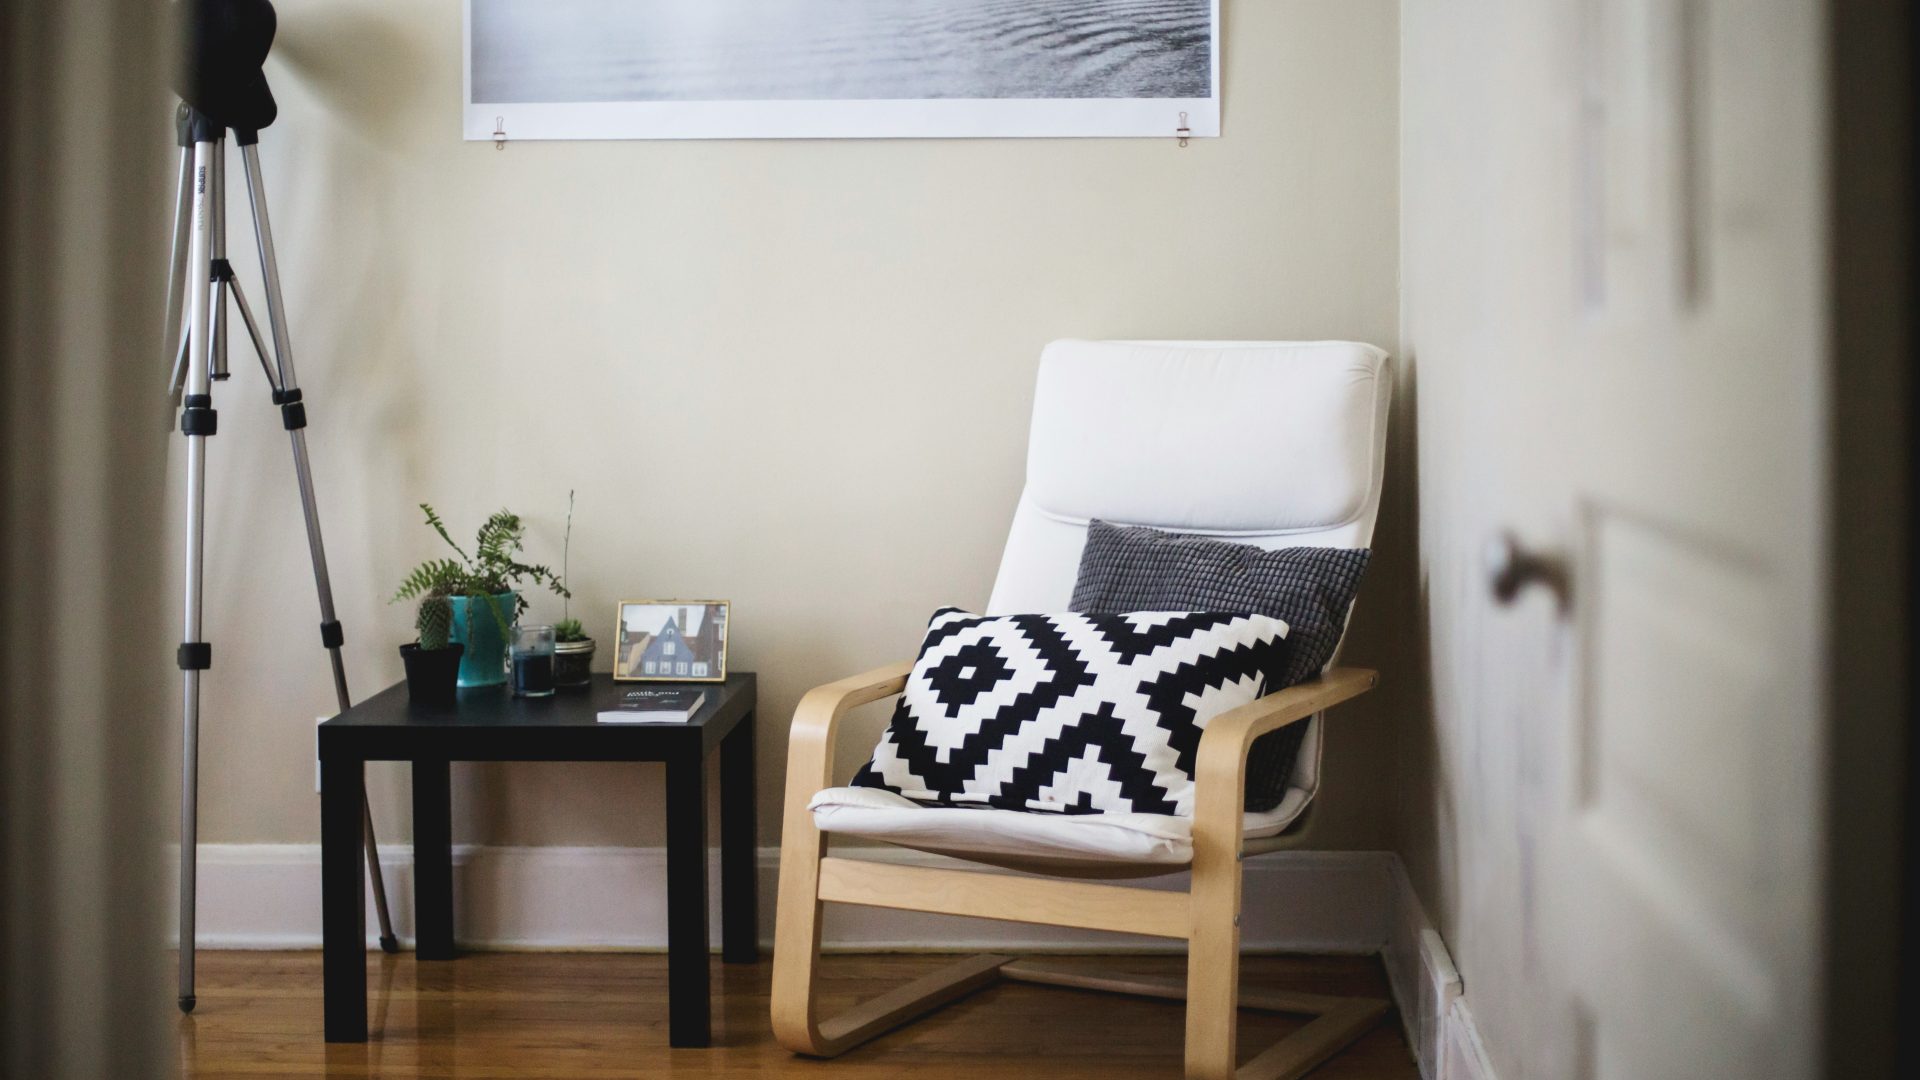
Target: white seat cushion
[1152, 839]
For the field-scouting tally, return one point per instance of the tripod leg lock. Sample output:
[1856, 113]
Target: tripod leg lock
[199, 416]
[293, 414]
[195, 656]
[331, 635]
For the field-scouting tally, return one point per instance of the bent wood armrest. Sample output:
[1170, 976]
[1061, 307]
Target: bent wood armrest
[1220, 774]
[796, 935]
[815, 719]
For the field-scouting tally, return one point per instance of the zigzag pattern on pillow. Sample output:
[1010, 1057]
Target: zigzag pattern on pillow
[1070, 713]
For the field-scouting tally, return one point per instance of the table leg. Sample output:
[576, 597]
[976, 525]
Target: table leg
[432, 860]
[739, 903]
[687, 980]
[343, 899]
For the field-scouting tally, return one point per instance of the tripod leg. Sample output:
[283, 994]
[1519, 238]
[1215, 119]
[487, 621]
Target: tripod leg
[222, 273]
[293, 414]
[176, 275]
[179, 381]
[253, 331]
[197, 422]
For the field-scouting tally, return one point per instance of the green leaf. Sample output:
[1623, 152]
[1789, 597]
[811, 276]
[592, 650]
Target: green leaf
[433, 577]
[440, 527]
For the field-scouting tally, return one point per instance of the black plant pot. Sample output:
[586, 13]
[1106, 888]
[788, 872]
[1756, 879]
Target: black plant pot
[573, 664]
[432, 674]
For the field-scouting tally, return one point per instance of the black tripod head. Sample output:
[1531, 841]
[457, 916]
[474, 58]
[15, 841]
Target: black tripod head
[225, 43]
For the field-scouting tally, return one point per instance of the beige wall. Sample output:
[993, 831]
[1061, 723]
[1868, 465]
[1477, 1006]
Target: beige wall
[792, 374]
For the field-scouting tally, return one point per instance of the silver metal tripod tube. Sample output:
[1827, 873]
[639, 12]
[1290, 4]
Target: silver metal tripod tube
[217, 185]
[204, 279]
[288, 384]
[283, 361]
[199, 291]
[174, 336]
[269, 263]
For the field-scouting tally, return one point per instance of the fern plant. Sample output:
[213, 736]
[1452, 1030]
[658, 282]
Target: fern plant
[493, 568]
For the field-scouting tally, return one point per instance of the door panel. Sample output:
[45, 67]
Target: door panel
[1615, 301]
[1671, 842]
[1688, 876]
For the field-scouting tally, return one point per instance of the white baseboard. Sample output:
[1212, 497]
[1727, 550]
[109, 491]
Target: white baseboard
[1427, 990]
[267, 896]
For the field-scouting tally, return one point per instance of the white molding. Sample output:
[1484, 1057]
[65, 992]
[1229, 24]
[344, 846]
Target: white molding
[1462, 1056]
[267, 896]
[1427, 990]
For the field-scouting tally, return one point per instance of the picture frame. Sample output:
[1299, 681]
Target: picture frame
[814, 69]
[671, 640]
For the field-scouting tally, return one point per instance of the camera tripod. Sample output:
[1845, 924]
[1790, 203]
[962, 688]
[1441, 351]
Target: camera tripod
[199, 282]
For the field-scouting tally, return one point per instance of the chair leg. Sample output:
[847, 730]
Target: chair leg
[1337, 1021]
[908, 1003]
[796, 960]
[1328, 1034]
[796, 937]
[1213, 965]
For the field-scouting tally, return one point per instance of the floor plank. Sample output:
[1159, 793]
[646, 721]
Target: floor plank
[595, 1015]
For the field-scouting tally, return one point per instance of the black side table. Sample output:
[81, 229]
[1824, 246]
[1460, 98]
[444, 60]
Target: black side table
[489, 725]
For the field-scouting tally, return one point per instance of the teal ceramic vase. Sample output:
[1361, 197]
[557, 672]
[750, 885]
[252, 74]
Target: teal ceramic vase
[485, 660]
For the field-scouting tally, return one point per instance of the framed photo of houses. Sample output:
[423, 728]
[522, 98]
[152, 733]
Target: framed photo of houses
[671, 641]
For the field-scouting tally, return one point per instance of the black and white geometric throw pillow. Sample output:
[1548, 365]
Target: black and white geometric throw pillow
[1134, 568]
[1070, 713]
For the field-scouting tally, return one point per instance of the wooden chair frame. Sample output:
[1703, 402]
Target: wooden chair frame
[1207, 916]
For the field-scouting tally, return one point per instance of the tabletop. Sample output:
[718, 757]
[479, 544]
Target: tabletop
[487, 723]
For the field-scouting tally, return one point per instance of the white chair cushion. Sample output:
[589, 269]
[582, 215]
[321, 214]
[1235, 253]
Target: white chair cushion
[1120, 839]
[1252, 438]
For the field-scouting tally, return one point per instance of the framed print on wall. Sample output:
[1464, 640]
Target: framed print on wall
[818, 69]
[670, 641]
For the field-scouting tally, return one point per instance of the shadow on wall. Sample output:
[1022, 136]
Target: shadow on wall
[1375, 743]
[1421, 809]
[357, 66]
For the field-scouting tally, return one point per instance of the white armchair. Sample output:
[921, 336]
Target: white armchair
[1271, 444]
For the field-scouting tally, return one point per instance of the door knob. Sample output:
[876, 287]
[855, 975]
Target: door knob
[1511, 568]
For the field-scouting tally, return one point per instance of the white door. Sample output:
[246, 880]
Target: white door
[1642, 238]
[1690, 854]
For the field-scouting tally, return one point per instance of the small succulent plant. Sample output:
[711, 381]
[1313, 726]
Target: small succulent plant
[435, 622]
[568, 628]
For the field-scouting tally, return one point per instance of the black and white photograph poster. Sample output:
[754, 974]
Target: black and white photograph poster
[777, 69]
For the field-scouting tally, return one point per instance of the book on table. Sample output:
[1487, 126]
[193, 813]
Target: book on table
[655, 705]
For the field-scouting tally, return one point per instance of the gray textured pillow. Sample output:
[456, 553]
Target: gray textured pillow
[1127, 569]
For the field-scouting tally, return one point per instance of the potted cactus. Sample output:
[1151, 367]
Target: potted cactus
[572, 655]
[572, 648]
[433, 660]
[482, 591]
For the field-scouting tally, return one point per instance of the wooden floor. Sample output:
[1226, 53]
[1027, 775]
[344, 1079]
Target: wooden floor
[590, 1015]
